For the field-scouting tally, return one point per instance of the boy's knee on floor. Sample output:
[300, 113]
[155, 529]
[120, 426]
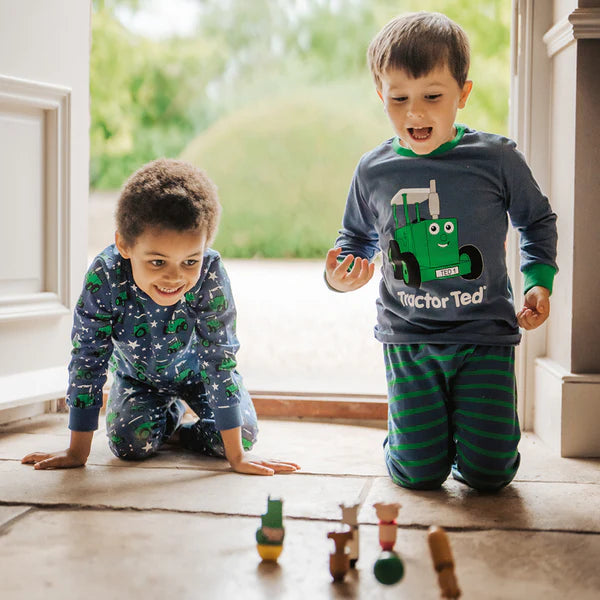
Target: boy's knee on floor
[130, 453]
[434, 484]
[483, 486]
[483, 482]
[413, 479]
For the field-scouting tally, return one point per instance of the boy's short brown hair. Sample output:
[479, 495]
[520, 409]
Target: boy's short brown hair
[418, 43]
[169, 194]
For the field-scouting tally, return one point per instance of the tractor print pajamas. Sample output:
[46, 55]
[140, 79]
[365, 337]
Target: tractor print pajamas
[159, 356]
[445, 312]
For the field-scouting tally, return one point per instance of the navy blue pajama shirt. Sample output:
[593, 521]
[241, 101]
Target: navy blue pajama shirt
[445, 312]
[159, 356]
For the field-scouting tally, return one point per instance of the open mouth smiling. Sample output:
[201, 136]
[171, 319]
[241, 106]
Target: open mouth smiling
[169, 291]
[420, 134]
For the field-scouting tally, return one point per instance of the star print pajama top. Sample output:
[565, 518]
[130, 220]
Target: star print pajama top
[158, 354]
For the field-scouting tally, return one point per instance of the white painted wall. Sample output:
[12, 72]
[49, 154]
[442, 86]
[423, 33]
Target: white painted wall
[562, 169]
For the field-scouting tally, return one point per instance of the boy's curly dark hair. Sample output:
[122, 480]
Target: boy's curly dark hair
[418, 43]
[170, 194]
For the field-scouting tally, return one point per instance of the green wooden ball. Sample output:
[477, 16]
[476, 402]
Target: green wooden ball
[388, 568]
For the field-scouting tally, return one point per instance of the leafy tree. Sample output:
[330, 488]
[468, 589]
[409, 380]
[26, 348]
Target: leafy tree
[148, 97]
[274, 99]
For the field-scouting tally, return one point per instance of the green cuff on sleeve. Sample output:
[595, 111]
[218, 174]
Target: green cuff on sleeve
[538, 274]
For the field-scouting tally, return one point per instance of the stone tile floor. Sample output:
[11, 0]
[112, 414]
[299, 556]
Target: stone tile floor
[180, 526]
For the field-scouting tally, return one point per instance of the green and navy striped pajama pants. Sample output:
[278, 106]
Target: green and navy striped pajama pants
[451, 408]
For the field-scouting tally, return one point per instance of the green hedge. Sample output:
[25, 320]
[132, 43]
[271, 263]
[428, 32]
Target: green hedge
[283, 168]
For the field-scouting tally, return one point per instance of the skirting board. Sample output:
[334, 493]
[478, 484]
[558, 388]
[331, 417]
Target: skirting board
[567, 410]
[32, 386]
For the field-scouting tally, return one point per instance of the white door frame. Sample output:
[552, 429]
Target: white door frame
[530, 75]
[44, 156]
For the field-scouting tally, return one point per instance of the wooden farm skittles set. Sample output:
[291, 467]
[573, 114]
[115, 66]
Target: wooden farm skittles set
[388, 568]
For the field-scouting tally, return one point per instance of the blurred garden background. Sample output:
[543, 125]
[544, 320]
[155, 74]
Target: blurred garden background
[274, 100]
[272, 97]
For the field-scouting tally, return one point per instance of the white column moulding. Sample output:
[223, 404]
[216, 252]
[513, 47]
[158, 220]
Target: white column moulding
[581, 24]
[519, 130]
[43, 110]
[529, 126]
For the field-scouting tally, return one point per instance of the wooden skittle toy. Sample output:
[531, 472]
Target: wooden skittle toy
[443, 562]
[269, 536]
[350, 518]
[388, 528]
[339, 561]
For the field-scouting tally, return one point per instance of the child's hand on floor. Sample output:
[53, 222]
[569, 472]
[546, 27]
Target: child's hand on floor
[243, 462]
[75, 455]
[66, 459]
[536, 308]
[253, 465]
[343, 280]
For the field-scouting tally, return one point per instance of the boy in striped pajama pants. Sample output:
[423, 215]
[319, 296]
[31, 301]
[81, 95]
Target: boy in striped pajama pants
[436, 200]
[451, 402]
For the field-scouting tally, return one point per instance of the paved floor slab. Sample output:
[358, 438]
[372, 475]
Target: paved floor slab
[320, 448]
[53, 423]
[182, 526]
[192, 490]
[108, 554]
[538, 463]
[537, 506]
[14, 446]
[10, 513]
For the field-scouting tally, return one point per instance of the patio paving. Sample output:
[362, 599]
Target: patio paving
[182, 526]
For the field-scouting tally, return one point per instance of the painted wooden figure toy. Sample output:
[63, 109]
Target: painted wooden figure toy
[388, 568]
[388, 528]
[350, 518]
[269, 536]
[443, 562]
[339, 561]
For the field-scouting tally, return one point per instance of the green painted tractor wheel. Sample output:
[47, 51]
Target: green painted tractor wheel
[410, 270]
[476, 261]
[394, 256]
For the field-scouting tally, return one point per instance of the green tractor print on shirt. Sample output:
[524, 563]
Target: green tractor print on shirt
[83, 401]
[121, 298]
[103, 332]
[140, 330]
[228, 363]
[427, 249]
[204, 377]
[175, 326]
[92, 282]
[214, 325]
[231, 389]
[174, 346]
[184, 375]
[217, 301]
[145, 429]
[84, 374]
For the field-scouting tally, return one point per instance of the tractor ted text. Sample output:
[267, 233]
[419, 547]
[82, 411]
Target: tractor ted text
[457, 298]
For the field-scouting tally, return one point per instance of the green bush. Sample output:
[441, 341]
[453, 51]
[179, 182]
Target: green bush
[281, 102]
[283, 168]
